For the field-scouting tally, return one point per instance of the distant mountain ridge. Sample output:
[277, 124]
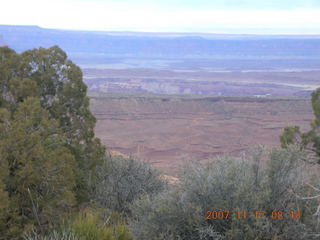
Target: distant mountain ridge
[160, 45]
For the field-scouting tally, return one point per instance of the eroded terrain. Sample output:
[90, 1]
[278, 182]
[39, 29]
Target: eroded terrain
[170, 130]
[255, 83]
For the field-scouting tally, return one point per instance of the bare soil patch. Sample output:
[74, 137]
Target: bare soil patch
[168, 131]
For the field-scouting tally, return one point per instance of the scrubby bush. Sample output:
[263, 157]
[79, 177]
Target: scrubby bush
[99, 225]
[123, 180]
[168, 216]
[310, 140]
[89, 224]
[228, 184]
[55, 235]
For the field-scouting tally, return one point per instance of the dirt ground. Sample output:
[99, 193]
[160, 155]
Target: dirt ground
[169, 131]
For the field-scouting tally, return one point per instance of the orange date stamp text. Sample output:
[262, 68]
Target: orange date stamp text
[259, 214]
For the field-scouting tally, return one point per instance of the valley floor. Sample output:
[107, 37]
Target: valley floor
[167, 130]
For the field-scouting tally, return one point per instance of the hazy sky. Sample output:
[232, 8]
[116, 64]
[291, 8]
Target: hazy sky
[221, 16]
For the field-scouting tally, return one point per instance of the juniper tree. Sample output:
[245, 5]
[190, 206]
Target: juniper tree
[40, 170]
[309, 140]
[48, 151]
[50, 75]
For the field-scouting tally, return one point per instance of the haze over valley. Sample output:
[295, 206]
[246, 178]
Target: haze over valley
[183, 63]
[161, 96]
[160, 120]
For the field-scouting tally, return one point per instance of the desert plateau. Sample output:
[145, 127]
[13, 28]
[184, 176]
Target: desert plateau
[168, 130]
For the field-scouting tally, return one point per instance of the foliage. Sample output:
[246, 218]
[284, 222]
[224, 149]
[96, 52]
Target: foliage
[165, 216]
[4, 171]
[41, 170]
[291, 135]
[51, 164]
[123, 180]
[309, 140]
[51, 76]
[233, 185]
[4, 200]
[55, 235]
[93, 225]
[89, 224]
[48, 151]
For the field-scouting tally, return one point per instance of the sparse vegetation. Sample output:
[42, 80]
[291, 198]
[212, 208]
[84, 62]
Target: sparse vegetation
[58, 182]
[227, 184]
[89, 224]
[48, 151]
[309, 140]
[121, 181]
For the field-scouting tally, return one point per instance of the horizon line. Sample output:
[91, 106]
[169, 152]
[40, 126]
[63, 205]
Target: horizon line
[171, 32]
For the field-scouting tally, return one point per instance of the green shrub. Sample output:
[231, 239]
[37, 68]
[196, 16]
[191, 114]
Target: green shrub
[55, 235]
[48, 150]
[233, 185]
[89, 224]
[168, 216]
[124, 180]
